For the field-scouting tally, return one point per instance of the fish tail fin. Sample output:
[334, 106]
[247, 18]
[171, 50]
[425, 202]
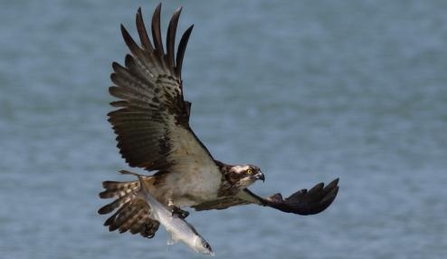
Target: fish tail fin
[132, 213]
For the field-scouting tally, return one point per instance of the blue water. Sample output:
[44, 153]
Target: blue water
[307, 90]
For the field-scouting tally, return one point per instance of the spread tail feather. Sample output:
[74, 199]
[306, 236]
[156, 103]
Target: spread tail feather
[115, 189]
[132, 214]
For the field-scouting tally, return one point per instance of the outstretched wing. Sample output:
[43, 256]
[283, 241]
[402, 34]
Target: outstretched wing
[302, 202]
[152, 122]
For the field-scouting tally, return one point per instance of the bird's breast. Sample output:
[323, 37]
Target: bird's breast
[188, 188]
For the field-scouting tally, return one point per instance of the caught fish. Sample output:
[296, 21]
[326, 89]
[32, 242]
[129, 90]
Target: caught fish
[179, 229]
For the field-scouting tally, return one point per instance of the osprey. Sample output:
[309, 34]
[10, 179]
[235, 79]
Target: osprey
[153, 132]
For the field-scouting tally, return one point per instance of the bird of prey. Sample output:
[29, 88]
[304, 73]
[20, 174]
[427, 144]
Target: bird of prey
[151, 121]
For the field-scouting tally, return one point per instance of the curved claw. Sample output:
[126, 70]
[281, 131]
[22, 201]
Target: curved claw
[179, 212]
[306, 202]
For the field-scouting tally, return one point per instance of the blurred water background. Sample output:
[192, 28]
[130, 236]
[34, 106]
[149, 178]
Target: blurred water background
[307, 90]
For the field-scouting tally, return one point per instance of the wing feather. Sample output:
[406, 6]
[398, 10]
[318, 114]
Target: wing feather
[144, 38]
[170, 37]
[181, 50]
[302, 202]
[152, 119]
[156, 33]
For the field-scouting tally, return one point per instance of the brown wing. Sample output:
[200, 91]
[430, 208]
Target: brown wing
[152, 122]
[302, 202]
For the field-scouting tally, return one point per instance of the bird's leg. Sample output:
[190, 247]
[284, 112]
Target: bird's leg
[177, 211]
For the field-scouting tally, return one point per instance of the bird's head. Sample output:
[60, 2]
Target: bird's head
[244, 175]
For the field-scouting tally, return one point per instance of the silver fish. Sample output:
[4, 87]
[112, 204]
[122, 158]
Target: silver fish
[179, 229]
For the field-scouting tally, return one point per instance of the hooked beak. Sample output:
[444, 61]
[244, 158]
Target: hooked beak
[260, 176]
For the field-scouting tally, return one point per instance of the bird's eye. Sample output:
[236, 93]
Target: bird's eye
[249, 171]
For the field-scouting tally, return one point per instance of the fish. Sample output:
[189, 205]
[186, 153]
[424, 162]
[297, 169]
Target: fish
[178, 227]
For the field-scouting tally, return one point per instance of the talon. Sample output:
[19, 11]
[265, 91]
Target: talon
[184, 214]
[147, 231]
[179, 212]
